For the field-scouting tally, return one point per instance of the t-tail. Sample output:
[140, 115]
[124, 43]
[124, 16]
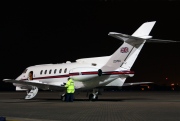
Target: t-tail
[128, 52]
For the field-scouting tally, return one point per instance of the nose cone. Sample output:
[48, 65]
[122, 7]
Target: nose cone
[21, 77]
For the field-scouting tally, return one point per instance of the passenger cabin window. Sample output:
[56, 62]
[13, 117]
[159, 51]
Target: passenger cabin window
[65, 70]
[30, 75]
[41, 72]
[55, 71]
[60, 70]
[50, 71]
[45, 72]
[93, 64]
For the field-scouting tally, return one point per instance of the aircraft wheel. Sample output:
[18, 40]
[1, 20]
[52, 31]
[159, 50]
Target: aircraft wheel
[97, 97]
[91, 97]
[63, 97]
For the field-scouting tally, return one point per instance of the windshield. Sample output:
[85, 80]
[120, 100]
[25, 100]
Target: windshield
[25, 71]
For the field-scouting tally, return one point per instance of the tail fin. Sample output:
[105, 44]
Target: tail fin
[144, 29]
[127, 53]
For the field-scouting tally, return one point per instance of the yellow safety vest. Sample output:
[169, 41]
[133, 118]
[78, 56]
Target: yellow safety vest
[70, 86]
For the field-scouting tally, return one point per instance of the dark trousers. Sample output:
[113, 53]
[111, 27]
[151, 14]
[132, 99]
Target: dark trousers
[69, 97]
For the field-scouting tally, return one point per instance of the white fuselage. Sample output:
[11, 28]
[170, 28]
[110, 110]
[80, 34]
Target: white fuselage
[85, 75]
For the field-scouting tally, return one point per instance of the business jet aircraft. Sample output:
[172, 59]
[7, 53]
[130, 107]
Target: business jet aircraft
[89, 73]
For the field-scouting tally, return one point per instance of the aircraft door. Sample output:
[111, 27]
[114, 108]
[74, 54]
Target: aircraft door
[30, 76]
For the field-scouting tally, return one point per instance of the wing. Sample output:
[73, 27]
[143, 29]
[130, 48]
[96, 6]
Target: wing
[136, 83]
[37, 83]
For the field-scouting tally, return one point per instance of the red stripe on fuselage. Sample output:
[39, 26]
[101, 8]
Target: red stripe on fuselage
[84, 73]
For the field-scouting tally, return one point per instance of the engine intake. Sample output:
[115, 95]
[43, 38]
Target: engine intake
[99, 72]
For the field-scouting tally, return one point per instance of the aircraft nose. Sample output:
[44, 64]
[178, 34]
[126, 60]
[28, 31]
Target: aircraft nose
[20, 77]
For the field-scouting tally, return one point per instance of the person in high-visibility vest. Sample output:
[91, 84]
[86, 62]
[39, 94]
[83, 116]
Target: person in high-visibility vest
[70, 90]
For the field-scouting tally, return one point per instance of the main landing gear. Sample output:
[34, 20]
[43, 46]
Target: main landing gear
[94, 95]
[63, 97]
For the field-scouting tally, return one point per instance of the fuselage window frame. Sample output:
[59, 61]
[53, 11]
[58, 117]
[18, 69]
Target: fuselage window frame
[50, 71]
[55, 71]
[60, 70]
[41, 72]
[65, 70]
[45, 71]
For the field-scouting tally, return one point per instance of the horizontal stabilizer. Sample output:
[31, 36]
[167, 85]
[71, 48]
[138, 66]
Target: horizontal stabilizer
[126, 38]
[160, 41]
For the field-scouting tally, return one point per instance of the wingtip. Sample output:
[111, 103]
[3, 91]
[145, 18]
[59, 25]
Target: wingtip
[151, 21]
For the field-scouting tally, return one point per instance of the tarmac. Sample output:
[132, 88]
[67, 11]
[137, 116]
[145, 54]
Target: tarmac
[111, 106]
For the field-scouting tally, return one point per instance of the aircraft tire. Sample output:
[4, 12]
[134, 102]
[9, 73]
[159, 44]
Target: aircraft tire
[96, 97]
[63, 98]
[91, 97]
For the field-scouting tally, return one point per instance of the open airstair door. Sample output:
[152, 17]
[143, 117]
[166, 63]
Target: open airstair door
[34, 90]
[32, 93]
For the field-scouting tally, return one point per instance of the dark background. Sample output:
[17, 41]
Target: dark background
[56, 32]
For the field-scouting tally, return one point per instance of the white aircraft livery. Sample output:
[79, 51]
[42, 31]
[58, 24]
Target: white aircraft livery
[89, 73]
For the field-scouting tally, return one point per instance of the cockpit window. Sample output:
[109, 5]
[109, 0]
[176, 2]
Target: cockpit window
[25, 71]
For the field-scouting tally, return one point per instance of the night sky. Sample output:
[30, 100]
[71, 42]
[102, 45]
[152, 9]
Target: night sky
[50, 32]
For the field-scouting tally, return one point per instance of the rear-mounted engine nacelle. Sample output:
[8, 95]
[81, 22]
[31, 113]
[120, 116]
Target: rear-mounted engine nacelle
[82, 74]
